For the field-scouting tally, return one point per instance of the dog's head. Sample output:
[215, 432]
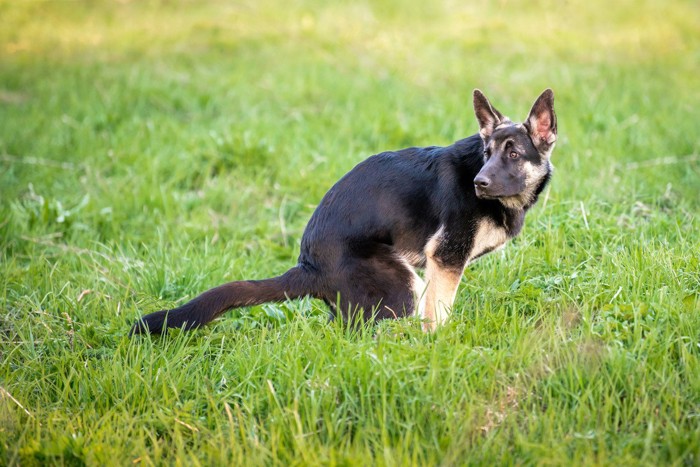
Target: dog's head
[516, 155]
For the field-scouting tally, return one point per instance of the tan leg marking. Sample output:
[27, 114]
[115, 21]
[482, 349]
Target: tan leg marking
[419, 295]
[440, 295]
[442, 287]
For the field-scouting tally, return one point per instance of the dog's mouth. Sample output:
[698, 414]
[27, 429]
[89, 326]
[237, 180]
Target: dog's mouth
[509, 201]
[500, 194]
[484, 194]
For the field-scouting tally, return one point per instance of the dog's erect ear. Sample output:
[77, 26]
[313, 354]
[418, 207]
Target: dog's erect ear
[488, 117]
[542, 121]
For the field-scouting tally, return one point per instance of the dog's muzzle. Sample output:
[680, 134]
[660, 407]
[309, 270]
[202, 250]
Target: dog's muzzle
[481, 185]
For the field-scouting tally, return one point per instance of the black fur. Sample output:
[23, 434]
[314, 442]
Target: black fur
[383, 213]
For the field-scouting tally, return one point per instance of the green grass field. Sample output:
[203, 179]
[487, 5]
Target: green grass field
[149, 151]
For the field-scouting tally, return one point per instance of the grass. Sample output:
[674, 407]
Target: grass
[149, 151]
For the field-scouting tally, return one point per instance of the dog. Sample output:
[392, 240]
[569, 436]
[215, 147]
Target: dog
[434, 208]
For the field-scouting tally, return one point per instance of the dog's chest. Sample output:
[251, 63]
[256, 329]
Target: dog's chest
[488, 237]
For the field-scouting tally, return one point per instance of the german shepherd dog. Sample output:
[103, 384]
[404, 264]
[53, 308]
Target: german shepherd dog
[437, 208]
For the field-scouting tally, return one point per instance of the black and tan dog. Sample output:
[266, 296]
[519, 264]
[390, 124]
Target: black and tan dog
[437, 208]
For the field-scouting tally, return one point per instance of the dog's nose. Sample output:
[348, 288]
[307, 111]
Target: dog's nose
[481, 182]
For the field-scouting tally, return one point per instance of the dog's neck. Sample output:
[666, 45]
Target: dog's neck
[511, 214]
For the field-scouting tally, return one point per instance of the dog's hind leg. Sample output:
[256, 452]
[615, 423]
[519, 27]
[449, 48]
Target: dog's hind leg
[420, 292]
[383, 286]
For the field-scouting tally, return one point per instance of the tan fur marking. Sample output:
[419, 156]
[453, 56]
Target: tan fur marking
[433, 242]
[440, 295]
[515, 202]
[417, 284]
[441, 289]
[533, 175]
[488, 237]
[420, 290]
[412, 258]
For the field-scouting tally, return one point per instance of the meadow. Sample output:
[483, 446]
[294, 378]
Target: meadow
[151, 150]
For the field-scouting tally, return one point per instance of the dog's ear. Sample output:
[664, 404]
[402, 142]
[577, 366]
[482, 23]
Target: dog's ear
[542, 121]
[487, 116]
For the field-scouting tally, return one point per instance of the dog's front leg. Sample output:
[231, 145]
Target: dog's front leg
[440, 295]
[445, 262]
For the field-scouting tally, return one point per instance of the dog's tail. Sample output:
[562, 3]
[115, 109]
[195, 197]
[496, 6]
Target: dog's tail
[295, 283]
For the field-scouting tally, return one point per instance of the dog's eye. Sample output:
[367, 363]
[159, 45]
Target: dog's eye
[514, 155]
[487, 153]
